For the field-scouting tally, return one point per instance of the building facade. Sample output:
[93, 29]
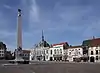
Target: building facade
[57, 51]
[40, 54]
[25, 54]
[93, 49]
[94, 54]
[75, 53]
[2, 50]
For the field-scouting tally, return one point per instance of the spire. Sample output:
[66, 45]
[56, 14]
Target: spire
[42, 36]
[93, 37]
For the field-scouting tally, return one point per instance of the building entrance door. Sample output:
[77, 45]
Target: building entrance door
[91, 59]
[51, 58]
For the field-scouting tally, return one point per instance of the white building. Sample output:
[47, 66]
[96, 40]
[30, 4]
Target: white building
[57, 51]
[93, 49]
[94, 54]
[74, 52]
[40, 53]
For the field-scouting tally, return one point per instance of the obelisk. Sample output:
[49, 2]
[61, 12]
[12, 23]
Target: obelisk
[19, 36]
[19, 30]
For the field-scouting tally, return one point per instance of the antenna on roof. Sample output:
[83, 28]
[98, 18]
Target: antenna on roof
[93, 37]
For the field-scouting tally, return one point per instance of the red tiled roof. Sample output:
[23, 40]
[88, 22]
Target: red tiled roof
[60, 44]
[95, 42]
[26, 51]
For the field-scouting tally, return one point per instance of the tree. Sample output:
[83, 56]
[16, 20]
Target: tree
[8, 55]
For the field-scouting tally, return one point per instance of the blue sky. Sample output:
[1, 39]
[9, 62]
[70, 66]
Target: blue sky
[62, 20]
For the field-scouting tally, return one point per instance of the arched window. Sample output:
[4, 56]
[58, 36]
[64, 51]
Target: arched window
[47, 51]
[55, 51]
[60, 51]
[51, 52]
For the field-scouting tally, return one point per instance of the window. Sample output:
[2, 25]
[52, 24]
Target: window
[69, 53]
[60, 51]
[25, 54]
[96, 51]
[44, 52]
[2, 51]
[47, 51]
[91, 52]
[79, 52]
[2, 55]
[55, 51]
[51, 52]
[96, 57]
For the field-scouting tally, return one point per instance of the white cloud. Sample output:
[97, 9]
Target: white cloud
[7, 6]
[34, 12]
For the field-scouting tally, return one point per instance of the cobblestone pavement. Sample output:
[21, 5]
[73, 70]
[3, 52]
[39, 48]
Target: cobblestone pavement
[51, 67]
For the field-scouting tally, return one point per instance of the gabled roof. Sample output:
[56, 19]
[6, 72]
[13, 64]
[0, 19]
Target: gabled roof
[91, 42]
